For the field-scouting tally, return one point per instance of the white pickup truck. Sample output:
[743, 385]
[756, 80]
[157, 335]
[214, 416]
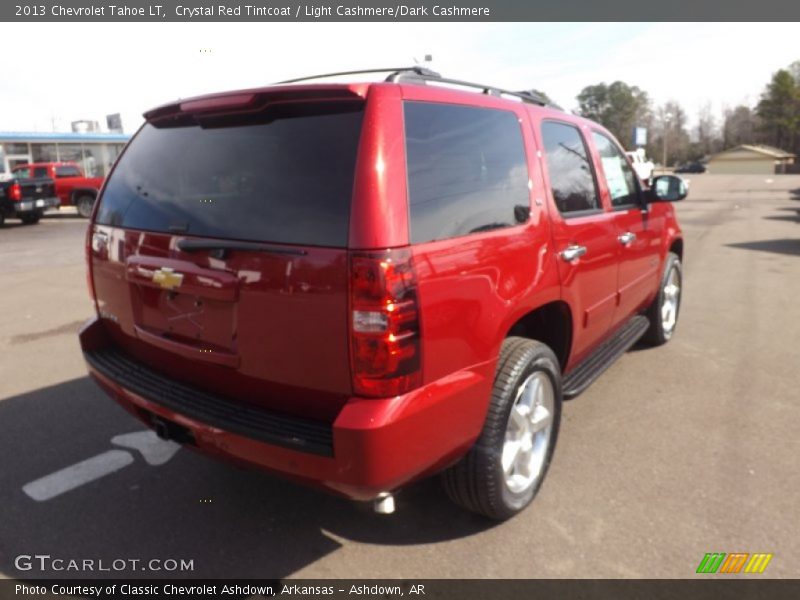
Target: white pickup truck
[642, 166]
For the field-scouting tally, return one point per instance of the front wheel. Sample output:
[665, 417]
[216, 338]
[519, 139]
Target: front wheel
[504, 470]
[663, 312]
[85, 204]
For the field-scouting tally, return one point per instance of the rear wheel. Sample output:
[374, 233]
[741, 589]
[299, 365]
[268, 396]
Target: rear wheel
[504, 470]
[663, 312]
[31, 219]
[85, 204]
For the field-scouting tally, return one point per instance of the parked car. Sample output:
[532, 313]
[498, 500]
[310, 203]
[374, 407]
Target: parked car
[692, 167]
[359, 285]
[73, 188]
[641, 164]
[26, 199]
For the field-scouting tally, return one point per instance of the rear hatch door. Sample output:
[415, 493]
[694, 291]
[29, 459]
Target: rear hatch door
[219, 248]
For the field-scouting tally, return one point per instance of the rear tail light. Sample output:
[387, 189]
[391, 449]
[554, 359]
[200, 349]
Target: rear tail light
[15, 193]
[385, 343]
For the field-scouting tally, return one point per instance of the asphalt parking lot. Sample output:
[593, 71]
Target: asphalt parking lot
[673, 453]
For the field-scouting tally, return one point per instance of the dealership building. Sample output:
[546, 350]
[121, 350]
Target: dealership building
[94, 152]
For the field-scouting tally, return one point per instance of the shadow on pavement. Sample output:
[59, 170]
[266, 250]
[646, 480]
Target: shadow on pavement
[780, 246]
[788, 218]
[231, 522]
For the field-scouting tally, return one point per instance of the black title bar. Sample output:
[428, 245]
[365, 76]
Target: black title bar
[701, 588]
[422, 11]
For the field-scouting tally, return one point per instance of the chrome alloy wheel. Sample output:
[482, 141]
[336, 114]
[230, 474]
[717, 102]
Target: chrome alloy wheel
[528, 431]
[671, 302]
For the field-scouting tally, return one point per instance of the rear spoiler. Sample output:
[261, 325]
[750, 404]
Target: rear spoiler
[250, 102]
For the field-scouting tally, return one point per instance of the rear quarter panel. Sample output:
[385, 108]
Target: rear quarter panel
[473, 288]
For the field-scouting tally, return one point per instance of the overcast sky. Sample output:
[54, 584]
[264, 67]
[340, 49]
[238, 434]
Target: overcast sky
[60, 72]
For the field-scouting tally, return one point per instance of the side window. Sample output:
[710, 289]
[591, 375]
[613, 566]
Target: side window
[67, 172]
[467, 171]
[620, 177]
[40, 171]
[571, 176]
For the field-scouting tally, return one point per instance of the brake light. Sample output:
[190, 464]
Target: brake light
[385, 343]
[15, 192]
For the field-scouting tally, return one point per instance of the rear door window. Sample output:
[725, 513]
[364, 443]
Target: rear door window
[284, 178]
[570, 170]
[467, 170]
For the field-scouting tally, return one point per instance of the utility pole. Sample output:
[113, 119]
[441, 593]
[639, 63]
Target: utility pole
[667, 119]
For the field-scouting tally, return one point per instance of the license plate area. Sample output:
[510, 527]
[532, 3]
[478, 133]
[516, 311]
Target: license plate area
[187, 318]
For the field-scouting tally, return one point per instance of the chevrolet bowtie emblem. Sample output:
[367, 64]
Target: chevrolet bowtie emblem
[167, 278]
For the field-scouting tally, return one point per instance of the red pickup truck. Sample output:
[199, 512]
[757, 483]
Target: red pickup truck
[73, 188]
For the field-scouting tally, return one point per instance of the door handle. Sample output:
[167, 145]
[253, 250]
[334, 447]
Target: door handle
[626, 238]
[573, 252]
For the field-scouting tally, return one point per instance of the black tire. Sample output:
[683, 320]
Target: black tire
[2, 218]
[477, 482]
[657, 334]
[85, 204]
[31, 219]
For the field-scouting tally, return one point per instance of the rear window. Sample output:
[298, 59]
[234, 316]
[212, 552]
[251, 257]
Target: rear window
[286, 179]
[67, 172]
[467, 171]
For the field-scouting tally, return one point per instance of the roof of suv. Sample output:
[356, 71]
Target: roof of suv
[301, 88]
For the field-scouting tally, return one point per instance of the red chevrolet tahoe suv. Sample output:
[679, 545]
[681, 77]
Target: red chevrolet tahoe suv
[359, 285]
[73, 188]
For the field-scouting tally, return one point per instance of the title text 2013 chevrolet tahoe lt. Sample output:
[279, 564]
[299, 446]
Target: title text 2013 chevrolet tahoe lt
[359, 285]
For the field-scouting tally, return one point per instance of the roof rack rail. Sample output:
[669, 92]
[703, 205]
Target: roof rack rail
[422, 74]
[530, 96]
[421, 71]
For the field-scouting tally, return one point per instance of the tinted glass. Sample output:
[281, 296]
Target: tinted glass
[67, 172]
[22, 173]
[571, 177]
[619, 175]
[16, 148]
[287, 179]
[69, 152]
[40, 171]
[44, 152]
[466, 170]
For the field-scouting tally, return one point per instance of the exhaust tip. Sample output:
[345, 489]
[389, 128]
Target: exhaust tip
[384, 504]
[161, 429]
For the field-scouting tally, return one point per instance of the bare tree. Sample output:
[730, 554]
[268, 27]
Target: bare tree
[670, 144]
[707, 133]
[740, 125]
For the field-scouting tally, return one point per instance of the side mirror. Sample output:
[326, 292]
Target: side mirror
[668, 188]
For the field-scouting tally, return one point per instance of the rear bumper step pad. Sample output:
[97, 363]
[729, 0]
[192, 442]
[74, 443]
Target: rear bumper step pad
[249, 421]
[582, 376]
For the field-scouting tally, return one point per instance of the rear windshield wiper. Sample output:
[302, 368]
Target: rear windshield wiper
[219, 248]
